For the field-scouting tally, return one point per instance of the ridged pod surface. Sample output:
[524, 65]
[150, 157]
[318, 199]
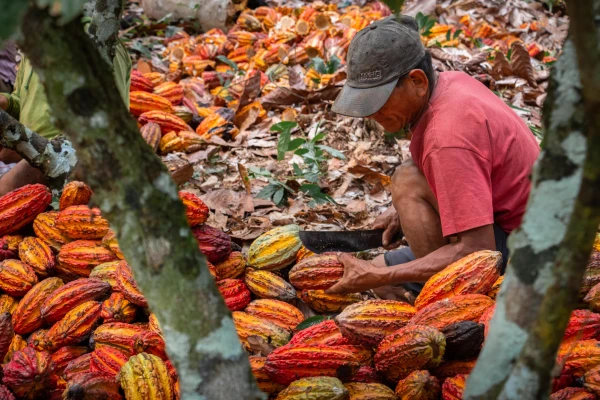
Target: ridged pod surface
[140, 83]
[141, 102]
[152, 135]
[38, 255]
[369, 391]
[579, 357]
[108, 360]
[16, 344]
[75, 326]
[453, 387]
[9, 246]
[37, 340]
[268, 285]
[92, 386]
[6, 394]
[493, 292]
[592, 298]
[468, 307]
[324, 333]
[322, 302]
[473, 274]
[16, 277]
[74, 193]
[27, 316]
[418, 385]
[232, 267]
[278, 312]
[264, 382]
[315, 388]
[592, 273]
[67, 297]
[106, 272]
[44, 227]
[110, 241]
[583, 325]
[289, 363]
[63, 356]
[320, 271]
[303, 253]
[78, 258]
[167, 122]
[129, 338]
[7, 303]
[451, 368]
[126, 285]
[366, 374]
[28, 373]
[195, 209]
[572, 393]
[117, 309]
[82, 222]
[20, 207]
[275, 249]
[409, 349]
[153, 324]
[213, 243]
[368, 322]
[171, 91]
[463, 340]
[79, 365]
[248, 325]
[235, 293]
[145, 377]
[6, 333]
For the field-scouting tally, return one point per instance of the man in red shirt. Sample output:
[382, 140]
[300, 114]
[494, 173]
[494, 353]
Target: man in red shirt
[467, 184]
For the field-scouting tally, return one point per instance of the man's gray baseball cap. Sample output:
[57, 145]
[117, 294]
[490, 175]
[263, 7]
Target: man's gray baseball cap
[378, 55]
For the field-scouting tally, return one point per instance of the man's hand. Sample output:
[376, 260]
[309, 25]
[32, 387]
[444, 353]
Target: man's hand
[359, 275]
[3, 103]
[389, 221]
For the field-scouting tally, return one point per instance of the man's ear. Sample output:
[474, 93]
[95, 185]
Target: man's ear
[419, 81]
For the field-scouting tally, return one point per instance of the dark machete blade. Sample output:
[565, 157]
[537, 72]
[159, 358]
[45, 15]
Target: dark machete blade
[344, 241]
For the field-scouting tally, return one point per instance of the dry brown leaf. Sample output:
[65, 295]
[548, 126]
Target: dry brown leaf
[370, 175]
[521, 63]
[502, 67]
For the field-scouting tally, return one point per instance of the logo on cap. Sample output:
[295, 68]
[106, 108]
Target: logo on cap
[370, 76]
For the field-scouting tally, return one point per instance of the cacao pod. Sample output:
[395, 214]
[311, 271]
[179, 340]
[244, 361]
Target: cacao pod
[418, 385]
[322, 302]
[167, 122]
[78, 258]
[486, 318]
[27, 317]
[278, 312]
[126, 285]
[77, 366]
[275, 249]
[170, 91]
[303, 253]
[145, 376]
[268, 285]
[195, 211]
[38, 255]
[7, 304]
[325, 333]
[468, 307]
[118, 309]
[592, 298]
[495, 288]
[171, 143]
[153, 324]
[82, 222]
[409, 349]
[75, 193]
[6, 394]
[463, 340]
[28, 373]
[45, 229]
[140, 83]
[451, 368]
[16, 277]
[67, 297]
[37, 340]
[315, 388]
[453, 388]
[156, 78]
[110, 240]
[366, 374]
[9, 246]
[75, 326]
[235, 293]
[108, 360]
[473, 274]
[92, 386]
[289, 363]
[152, 135]
[317, 272]
[129, 338]
[232, 267]
[263, 380]
[218, 123]
[213, 243]
[16, 344]
[141, 102]
[572, 393]
[582, 325]
[63, 356]
[592, 273]
[248, 325]
[579, 357]
[20, 207]
[6, 333]
[106, 272]
[369, 391]
[368, 322]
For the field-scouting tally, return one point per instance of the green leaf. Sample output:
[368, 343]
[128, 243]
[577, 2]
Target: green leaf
[457, 33]
[283, 125]
[319, 65]
[319, 136]
[332, 151]
[312, 177]
[295, 143]
[301, 151]
[10, 17]
[227, 61]
[172, 31]
[311, 321]
[315, 192]
[334, 64]
[139, 46]
[448, 34]
[259, 171]
[297, 170]
[279, 196]
[268, 191]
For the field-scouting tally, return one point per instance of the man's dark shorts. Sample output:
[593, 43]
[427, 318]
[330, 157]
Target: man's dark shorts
[405, 255]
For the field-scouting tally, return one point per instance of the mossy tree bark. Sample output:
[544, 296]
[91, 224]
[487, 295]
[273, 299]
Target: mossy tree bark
[549, 252]
[139, 198]
[104, 28]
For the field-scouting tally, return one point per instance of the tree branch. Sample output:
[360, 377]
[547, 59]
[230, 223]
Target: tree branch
[104, 28]
[137, 195]
[56, 158]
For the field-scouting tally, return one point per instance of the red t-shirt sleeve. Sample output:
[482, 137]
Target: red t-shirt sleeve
[461, 182]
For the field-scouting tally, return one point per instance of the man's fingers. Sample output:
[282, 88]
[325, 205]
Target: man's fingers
[344, 258]
[335, 289]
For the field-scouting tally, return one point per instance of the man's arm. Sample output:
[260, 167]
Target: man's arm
[22, 174]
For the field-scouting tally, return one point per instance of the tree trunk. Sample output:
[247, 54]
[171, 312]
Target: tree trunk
[549, 252]
[104, 28]
[137, 195]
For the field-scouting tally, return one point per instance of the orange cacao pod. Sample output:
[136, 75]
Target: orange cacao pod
[6, 333]
[418, 385]
[140, 83]
[110, 240]
[235, 293]
[75, 326]
[268, 285]
[141, 102]
[409, 349]
[152, 135]
[473, 274]
[317, 272]
[263, 380]
[63, 356]
[82, 222]
[322, 302]
[232, 267]
[106, 272]
[167, 122]
[67, 297]
[366, 374]
[275, 249]
[9, 246]
[156, 78]
[453, 387]
[467, 307]
[118, 309]
[368, 322]
[315, 388]
[579, 357]
[20, 207]
[28, 373]
[219, 123]
[493, 292]
[582, 325]
[16, 344]
[303, 253]
[37, 340]
[153, 324]
[369, 391]
[27, 317]
[92, 386]
[213, 243]
[145, 374]
[325, 333]
[171, 91]
[126, 284]
[45, 228]
[77, 366]
[195, 210]
[107, 360]
[451, 368]
[171, 143]
[78, 258]
[572, 393]
[75, 193]
[249, 325]
[486, 318]
[129, 338]
[38, 255]
[7, 303]
[16, 277]
[278, 312]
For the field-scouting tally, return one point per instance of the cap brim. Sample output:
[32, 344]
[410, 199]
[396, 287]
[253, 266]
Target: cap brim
[359, 103]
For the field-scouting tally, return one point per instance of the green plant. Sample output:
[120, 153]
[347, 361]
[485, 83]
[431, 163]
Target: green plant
[425, 23]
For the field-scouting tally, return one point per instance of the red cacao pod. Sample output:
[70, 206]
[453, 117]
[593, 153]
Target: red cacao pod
[20, 207]
[215, 245]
